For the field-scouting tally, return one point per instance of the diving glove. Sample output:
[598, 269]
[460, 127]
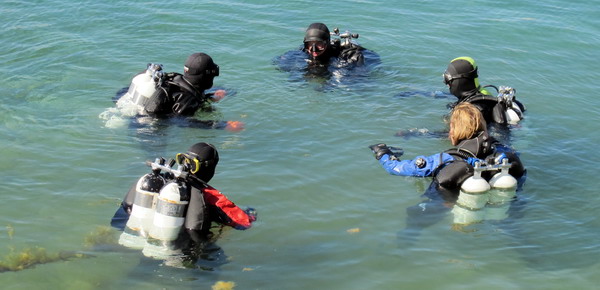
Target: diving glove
[380, 150]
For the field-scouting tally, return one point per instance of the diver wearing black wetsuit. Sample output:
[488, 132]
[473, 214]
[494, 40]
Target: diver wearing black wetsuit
[462, 79]
[320, 48]
[205, 203]
[184, 94]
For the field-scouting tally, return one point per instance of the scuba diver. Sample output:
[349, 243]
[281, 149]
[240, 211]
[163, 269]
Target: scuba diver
[322, 57]
[451, 168]
[170, 213]
[320, 49]
[161, 95]
[500, 112]
[461, 77]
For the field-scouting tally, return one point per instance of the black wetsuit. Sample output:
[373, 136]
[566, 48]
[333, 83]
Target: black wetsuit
[176, 96]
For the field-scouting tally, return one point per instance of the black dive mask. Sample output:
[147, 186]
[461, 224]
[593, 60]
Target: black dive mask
[469, 75]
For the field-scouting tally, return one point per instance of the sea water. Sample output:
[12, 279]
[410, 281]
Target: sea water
[328, 216]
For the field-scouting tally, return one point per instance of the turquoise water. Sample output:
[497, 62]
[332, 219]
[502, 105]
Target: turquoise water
[329, 216]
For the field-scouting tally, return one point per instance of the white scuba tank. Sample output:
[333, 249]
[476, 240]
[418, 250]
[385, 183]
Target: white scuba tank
[142, 87]
[513, 114]
[168, 221]
[471, 199]
[142, 212]
[504, 189]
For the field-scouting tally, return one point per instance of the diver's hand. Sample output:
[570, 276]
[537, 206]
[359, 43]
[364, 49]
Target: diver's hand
[251, 212]
[380, 150]
[234, 126]
[219, 95]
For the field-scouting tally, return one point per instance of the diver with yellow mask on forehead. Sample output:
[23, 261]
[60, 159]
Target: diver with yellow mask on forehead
[170, 210]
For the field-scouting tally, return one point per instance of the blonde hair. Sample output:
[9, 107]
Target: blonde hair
[466, 122]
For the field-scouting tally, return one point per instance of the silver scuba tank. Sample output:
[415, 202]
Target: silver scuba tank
[169, 216]
[142, 87]
[142, 212]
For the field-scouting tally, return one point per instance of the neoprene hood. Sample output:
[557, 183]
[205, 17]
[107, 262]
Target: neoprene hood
[208, 158]
[200, 70]
[461, 75]
[317, 32]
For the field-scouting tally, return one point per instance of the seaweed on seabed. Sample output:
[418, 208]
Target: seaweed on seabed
[30, 257]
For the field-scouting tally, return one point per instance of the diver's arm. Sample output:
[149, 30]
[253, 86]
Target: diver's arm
[231, 214]
[190, 122]
[420, 166]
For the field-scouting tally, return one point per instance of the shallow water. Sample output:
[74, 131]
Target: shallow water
[329, 216]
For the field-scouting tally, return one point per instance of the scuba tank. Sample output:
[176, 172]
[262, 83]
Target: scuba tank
[143, 86]
[169, 217]
[479, 199]
[142, 212]
[504, 189]
[513, 113]
[472, 198]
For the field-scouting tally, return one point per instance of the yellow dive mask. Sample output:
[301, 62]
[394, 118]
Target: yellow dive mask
[188, 160]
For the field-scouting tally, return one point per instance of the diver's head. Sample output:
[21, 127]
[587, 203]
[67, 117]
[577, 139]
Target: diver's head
[207, 158]
[466, 122]
[316, 40]
[461, 77]
[200, 70]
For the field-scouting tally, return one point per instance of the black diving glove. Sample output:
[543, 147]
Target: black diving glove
[380, 150]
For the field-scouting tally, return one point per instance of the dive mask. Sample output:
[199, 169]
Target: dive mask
[448, 77]
[315, 46]
[189, 161]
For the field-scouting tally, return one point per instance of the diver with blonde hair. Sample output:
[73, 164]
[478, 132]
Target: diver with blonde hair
[450, 168]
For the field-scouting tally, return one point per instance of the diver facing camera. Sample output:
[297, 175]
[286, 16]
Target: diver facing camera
[321, 48]
[328, 58]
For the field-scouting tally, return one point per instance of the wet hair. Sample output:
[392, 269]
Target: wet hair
[466, 121]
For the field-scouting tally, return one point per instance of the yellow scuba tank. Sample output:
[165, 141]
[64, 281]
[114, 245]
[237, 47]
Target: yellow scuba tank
[142, 212]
